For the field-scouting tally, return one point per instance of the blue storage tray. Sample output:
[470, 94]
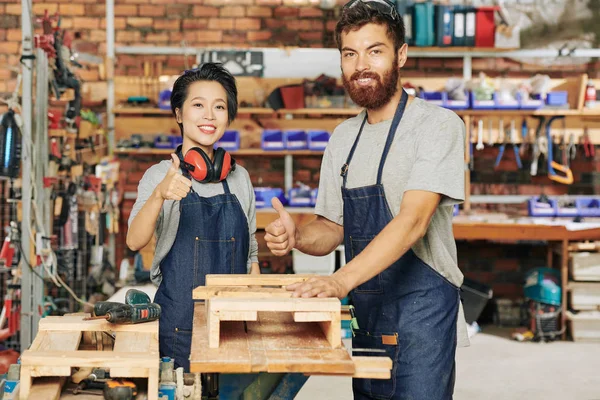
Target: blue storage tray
[166, 144]
[512, 104]
[437, 98]
[566, 211]
[296, 140]
[317, 140]
[298, 199]
[313, 197]
[531, 103]
[458, 104]
[559, 98]
[537, 209]
[482, 104]
[455, 211]
[164, 99]
[273, 139]
[176, 140]
[230, 140]
[588, 207]
[265, 194]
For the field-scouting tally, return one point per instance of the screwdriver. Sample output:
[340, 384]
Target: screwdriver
[130, 314]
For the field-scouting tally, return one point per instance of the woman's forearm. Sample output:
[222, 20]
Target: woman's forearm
[143, 225]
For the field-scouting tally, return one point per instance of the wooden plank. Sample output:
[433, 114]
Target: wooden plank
[255, 280]
[370, 368]
[47, 388]
[238, 315]
[135, 342]
[313, 361]
[206, 292]
[313, 316]
[76, 323]
[58, 341]
[88, 358]
[283, 304]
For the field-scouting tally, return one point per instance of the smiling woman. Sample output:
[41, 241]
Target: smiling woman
[199, 204]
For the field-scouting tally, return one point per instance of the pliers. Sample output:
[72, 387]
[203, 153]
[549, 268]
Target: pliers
[571, 150]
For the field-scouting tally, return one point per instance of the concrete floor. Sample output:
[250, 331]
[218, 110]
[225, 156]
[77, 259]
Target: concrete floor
[497, 368]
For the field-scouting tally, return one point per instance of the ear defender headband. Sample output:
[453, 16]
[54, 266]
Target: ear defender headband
[200, 167]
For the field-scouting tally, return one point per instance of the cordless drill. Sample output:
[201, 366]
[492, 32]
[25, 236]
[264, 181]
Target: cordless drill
[129, 314]
[132, 297]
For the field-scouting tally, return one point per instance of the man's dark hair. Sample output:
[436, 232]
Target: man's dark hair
[361, 14]
[205, 72]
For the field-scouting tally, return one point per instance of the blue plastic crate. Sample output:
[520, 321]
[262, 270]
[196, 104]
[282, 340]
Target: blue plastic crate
[562, 210]
[588, 207]
[507, 104]
[163, 142]
[230, 140]
[296, 140]
[455, 210]
[317, 140]
[458, 104]
[265, 194]
[437, 98]
[273, 139]
[298, 197]
[541, 209]
[532, 102]
[313, 197]
[557, 99]
[482, 104]
[176, 140]
[164, 99]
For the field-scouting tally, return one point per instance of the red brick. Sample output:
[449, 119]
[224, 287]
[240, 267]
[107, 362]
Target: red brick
[191, 35]
[119, 22]
[311, 36]
[507, 290]
[249, 24]
[128, 36]
[97, 35]
[152, 11]
[71, 9]
[136, 1]
[13, 9]
[127, 60]
[181, 10]
[310, 12]
[431, 63]
[268, 2]
[256, 11]
[210, 36]
[157, 37]
[88, 75]
[506, 264]
[331, 25]
[86, 23]
[220, 23]
[39, 9]
[176, 36]
[139, 22]
[2, 37]
[167, 24]
[304, 25]
[203, 11]
[95, 10]
[232, 11]
[126, 10]
[259, 36]
[273, 23]
[195, 23]
[13, 35]
[286, 12]
[221, 2]
[234, 37]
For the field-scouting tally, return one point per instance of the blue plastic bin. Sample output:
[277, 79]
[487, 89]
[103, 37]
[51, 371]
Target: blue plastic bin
[437, 98]
[455, 211]
[458, 104]
[557, 99]
[543, 285]
[540, 209]
[507, 104]
[532, 102]
[230, 140]
[164, 99]
[265, 194]
[588, 207]
[298, 197]
[163, 142]
[564, 211]
[176, 140]
[296, 140]
[317, 140]
[273, 139]
[313, 197]
[482, 104]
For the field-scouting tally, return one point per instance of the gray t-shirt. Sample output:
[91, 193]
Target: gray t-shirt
[427, 154]
[168, 219]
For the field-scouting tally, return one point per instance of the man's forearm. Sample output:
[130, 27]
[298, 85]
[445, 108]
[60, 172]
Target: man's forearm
[142, 227]
[319, 237]
[385, 249]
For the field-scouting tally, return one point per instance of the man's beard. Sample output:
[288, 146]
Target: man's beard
[373, 97]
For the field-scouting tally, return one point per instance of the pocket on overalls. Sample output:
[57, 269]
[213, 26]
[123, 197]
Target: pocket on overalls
[382, 389]
[182, 345]
[213, 256]
[373, 285]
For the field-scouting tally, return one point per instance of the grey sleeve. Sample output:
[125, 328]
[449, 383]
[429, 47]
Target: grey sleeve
[440, 162]
[253, 254]
[329, 199]
[145, 188]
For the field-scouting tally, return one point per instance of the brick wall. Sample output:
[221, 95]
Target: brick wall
[264, 23]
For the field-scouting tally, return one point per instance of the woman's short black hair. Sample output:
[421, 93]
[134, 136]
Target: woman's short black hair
[205, 72]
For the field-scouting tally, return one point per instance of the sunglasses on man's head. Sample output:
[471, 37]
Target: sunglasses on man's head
[382, 5]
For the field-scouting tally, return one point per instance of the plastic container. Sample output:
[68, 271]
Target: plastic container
[437, 98]
[557, 99]
[585, 266]
[585, 326]
[588, 207]
[176, 140]
[273, 139]
[474, 296]
[566, 209]
[296, 140]
[507, 103]
[299, 197]
[458, 104]
[313, 197]
[585, 295]
[230, 140]
[532, 102]
[485, 29]
[265, 194]
[541, 209]
[542, 285]
[164, 99]
[317, 140]
[482, 104]
[163, 142]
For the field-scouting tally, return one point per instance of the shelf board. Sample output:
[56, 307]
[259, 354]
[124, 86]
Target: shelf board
[241, 152]
[141, 110]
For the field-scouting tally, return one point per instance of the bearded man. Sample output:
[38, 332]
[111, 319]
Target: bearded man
[390, 178]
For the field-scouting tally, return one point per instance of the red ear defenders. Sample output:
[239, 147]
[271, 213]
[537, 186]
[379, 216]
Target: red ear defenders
[202, 169]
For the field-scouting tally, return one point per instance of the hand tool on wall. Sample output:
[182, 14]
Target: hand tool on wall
[571, 151]
[491, 133]
[512, 140]
[588, 146]
[525, 136]
[553, 166]
[479, 135]
[540, 145]
[130, 314]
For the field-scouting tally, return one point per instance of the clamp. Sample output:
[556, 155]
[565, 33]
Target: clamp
[514, 145]
[588, 146]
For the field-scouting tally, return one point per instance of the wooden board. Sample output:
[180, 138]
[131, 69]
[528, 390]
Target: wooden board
[255, 280]
[206, 292]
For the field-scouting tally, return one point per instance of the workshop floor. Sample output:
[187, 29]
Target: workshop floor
[496, 368]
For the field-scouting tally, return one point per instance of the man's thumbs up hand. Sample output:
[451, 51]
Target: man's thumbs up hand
[281, 233]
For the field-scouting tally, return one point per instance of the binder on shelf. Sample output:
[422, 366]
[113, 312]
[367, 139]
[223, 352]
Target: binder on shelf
[444, 22]
[406, 10]
[458, 34]
[423, 20]
[485, 27]
[470, 26]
